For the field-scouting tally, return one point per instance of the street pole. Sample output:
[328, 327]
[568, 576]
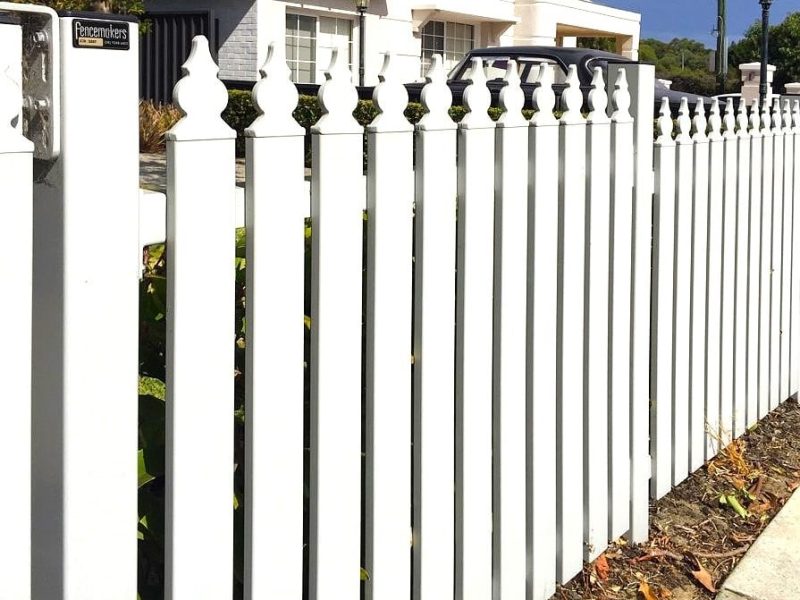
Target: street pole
[763, 84]
[361, 39]
[722, 49]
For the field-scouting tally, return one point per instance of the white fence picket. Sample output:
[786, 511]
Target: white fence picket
[275, 208]
[714, 282]
[754, 271]
[682, 294]
[16, 230]
[200, 241]
[510, 289]
[794, 385]
[728, 298]
[642, 80]
[570, 366]
[784, 390]
[474, 314]
[541, 330]
[697, 375]
[662, 311]
[596, 355]
[390, 198]
[740, 320]
[336, 283]
[620, 290]
[776, 256]
[434, 346]
[767, 149]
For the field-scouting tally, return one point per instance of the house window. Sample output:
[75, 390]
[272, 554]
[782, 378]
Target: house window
[310, 42]
[451, 40]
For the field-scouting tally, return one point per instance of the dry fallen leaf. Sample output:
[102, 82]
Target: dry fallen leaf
[703, 577]
[793, 486]
[601, 567]
[645, 591]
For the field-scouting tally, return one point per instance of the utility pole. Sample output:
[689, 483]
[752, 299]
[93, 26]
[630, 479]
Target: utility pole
[722, 44]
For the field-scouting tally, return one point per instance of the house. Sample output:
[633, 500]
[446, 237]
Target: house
[414, 30]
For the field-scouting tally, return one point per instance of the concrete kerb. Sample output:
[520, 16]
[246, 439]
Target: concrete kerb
[771, 568]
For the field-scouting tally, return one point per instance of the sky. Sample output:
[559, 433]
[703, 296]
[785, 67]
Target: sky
[667, 19]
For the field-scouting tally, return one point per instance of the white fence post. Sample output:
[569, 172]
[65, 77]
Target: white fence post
[200, 352]
[730, 181]
[474, 312]
[714, 284]
[16, 231]
[794, 385]
[697, 352]
[510, 289]
[390, 198]
[740, 320]
[754, 272]
[596, 399]
[542, 307]
[682, 295]
[767, 148]
[434, 346]
[276, 203]
[641, 79]
[663, 284]
[336, 283]
[570, 367]
[85, 351]
[620, 290]
[786, 251]
[776, 256]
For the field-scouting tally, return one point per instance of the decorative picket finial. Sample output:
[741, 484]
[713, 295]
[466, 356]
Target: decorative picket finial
[477, 98]
[796, 116]
[729, 120]
[777, 119]
[664, 122]
[787, 115]
[684, 123]
[742, 124]
[621, 99]
[436, 98]
[338, 98]
[512, 98]
[714, 121]
[201, 97]
[572, 98]
[766, 119]
[755, 118]
[275, 98]
[544, 98]
[700, 123]
[598, 98]
[391, 98]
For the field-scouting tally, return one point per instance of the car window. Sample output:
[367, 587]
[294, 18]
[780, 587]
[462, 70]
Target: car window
[496, 66]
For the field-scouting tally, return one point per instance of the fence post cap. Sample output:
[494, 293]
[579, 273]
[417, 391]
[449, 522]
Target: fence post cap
[201, 97]
[338, 99]
[390, 98]
[437, 98]
[275, 98]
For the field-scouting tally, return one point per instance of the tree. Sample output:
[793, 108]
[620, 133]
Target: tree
[125, 7]
[784, 49]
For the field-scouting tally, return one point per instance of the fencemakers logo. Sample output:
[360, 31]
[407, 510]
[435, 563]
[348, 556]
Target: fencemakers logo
[105, 35]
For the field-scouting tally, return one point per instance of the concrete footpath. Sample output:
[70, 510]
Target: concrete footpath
[771, 568]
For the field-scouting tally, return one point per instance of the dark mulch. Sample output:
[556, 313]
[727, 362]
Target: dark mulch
[696, 539]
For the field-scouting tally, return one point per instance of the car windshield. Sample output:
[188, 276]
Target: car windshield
[496, 66]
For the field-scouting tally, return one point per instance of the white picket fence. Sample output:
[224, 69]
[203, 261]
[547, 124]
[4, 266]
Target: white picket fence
[516, 370]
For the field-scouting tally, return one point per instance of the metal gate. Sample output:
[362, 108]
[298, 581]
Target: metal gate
[165, 47]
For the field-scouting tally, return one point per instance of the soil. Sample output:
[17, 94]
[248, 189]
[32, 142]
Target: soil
[695, 539]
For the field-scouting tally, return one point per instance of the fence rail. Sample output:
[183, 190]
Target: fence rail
[513, 344]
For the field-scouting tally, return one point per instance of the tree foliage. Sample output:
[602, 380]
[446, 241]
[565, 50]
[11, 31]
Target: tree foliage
[784, 49]
[123, 7]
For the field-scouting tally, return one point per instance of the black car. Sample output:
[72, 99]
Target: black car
[528, 58]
